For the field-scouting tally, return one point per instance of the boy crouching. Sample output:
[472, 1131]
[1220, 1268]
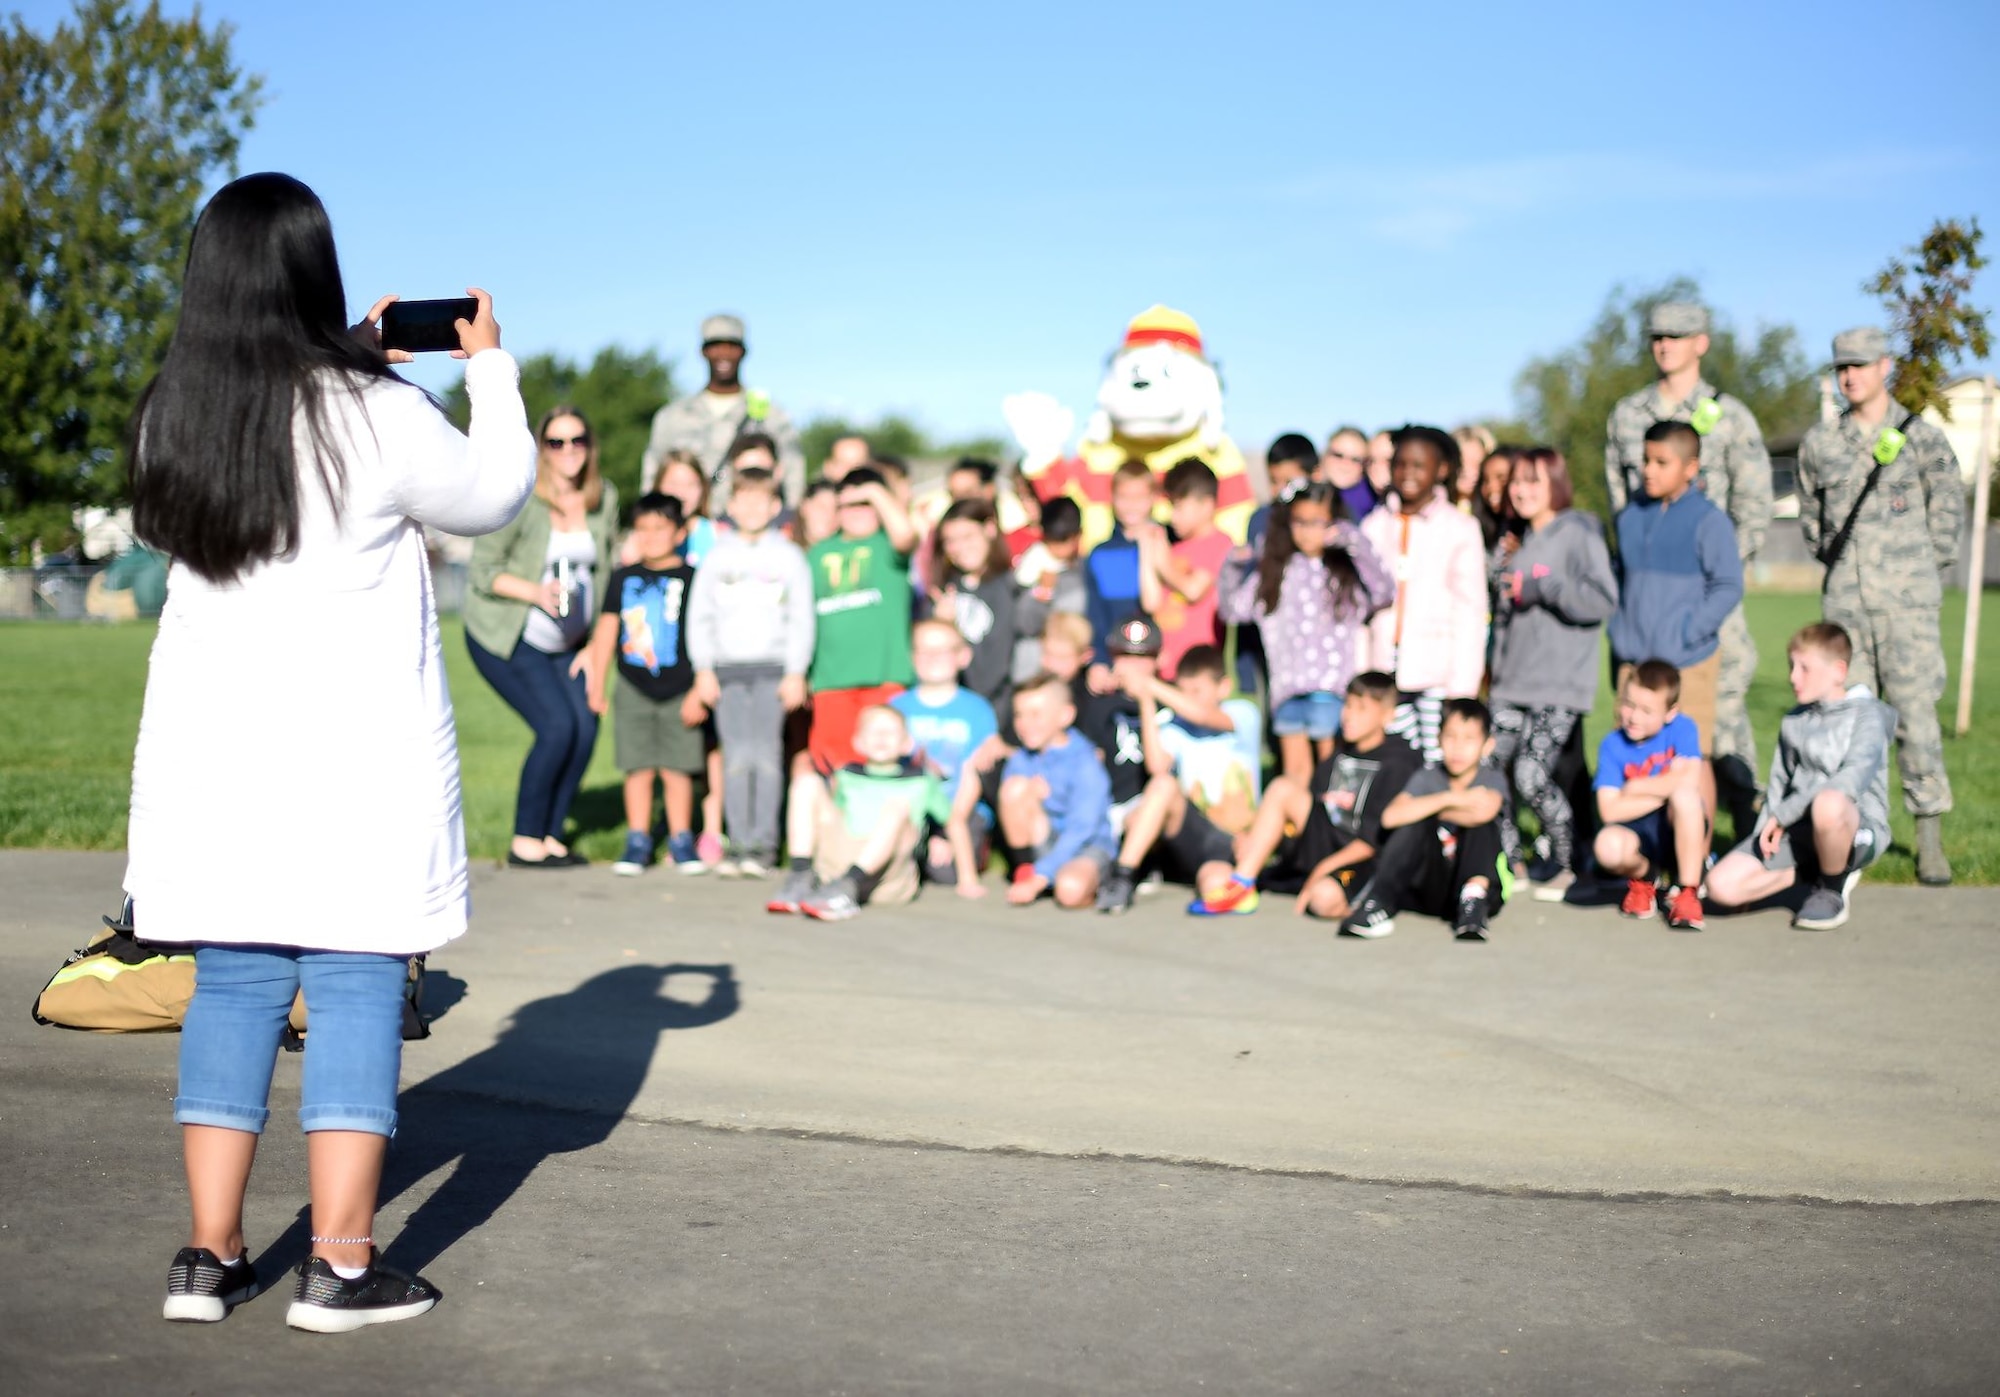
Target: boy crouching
[1826, 808]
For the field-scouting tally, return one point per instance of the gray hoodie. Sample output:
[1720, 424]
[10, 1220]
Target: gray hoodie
[1842, 744]
[752, 604]
[1545, 644]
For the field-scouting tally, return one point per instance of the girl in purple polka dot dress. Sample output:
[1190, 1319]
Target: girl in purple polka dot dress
[1311, 594]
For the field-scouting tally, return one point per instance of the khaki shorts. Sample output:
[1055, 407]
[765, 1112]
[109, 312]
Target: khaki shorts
[1697, 701]
[648, 734]
[836, 847]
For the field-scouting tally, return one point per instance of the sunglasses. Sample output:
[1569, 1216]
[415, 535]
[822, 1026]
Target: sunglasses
[564, 443]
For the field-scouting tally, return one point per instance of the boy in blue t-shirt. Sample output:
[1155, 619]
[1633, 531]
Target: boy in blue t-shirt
[645, 606]
[957, 737]
[1055, 800]
[1654, 796]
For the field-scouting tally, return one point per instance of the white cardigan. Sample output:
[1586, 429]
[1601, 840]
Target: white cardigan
[296, 778]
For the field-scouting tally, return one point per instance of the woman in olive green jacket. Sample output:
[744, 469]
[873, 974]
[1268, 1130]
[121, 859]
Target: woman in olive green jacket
[535, 588]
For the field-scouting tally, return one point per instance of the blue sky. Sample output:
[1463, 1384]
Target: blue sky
[1375, 216]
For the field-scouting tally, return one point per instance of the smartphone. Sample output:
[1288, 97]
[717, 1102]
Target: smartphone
[423, 326]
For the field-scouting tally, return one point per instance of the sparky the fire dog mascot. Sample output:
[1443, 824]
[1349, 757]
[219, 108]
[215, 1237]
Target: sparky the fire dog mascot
[1160, 402]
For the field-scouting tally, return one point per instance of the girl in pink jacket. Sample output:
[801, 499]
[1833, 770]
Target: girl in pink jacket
[1433, 636]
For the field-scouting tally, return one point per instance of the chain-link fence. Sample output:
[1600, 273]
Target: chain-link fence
[61, 592]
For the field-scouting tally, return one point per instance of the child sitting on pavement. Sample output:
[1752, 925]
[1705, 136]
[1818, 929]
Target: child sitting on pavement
[1652, 796]
[1826, 806]
[658, 724]
[1055, 799]
[1334, 820]
[1442, 855]
[1203, 754]
[855, 841]
[956, 737]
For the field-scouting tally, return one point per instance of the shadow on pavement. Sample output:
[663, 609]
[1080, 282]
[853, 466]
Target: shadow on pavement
[573, 1062]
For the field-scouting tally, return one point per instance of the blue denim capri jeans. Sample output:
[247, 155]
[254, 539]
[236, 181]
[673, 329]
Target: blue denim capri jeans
[354, 1043]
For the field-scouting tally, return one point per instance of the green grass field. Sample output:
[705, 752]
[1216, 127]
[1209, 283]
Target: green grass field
[70, 696]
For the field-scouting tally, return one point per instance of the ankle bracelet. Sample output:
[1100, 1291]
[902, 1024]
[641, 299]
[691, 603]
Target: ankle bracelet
[344, 1241]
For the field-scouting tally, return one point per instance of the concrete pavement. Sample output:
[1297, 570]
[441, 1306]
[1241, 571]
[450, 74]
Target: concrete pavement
[739, 1185]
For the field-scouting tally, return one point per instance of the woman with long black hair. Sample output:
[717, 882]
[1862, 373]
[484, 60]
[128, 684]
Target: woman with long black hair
[295, 792]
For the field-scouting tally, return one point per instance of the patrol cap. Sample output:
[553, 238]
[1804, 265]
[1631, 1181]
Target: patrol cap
[1862, 345]
[1677, 320]
[722, 329]
[1135, 635]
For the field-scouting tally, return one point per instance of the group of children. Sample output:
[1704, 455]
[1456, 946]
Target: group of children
[919, 702]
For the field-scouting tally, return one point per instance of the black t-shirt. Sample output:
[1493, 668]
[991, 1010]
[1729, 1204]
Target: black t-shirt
[650, 607]
[1111, 722]
[1351, 788]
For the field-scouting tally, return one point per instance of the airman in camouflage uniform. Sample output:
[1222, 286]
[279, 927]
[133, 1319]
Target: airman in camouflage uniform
[1736, 477]
[707, 422]
[1886, 586]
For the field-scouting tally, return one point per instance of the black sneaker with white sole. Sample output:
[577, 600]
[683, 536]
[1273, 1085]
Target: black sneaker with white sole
[327, 1304]
[1370, 921]
[1114, 894]
[1470, 924]
[201, 1290]
[1825, 909]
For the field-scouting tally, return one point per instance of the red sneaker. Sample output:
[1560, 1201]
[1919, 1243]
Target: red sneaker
[1684, 911]
[1640, 896]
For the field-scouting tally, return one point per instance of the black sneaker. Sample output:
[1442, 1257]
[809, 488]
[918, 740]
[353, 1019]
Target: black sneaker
[1471, 922]
[201, 1290]
[327, 1304]
[1369, 921]
[1115, 894]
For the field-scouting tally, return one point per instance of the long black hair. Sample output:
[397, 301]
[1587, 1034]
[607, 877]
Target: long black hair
[1342, 577]
[215, 482]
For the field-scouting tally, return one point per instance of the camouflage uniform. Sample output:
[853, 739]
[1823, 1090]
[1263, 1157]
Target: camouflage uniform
[1887, 587]
[705, 423]
[1736, 477]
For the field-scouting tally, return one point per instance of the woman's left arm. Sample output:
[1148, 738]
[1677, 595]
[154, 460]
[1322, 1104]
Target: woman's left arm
[469, 483]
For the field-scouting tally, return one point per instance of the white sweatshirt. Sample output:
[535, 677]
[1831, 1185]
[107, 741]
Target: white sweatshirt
[296, 778]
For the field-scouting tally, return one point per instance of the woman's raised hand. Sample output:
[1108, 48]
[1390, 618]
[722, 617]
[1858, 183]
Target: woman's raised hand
[369, 332]
[480, 332]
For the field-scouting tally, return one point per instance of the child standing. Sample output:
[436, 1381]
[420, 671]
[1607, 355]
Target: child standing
[855, 841]
[1310, 594]
[656, 733]
[1826, 811]
[1054, 800]
[948, 725]
[1290, 457]
[1338, 816]
[750, 637]
[1442, 853]
[1111, 572]
[1652, 797]
[861, 583]
[972, 587]
[1433, 636]
[1680, 574]
[682, 478]
[1177, 580]
[1048, 581]
[1553, 590]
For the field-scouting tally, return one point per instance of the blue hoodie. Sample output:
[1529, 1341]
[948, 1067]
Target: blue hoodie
[1679, 577]
[1111, 581]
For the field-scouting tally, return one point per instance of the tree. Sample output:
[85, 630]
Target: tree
[109, 128]
[1933, 318]
[619, 393]
[894, 434]
[1567, 397]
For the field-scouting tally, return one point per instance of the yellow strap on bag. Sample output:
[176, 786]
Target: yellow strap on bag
[114, 985]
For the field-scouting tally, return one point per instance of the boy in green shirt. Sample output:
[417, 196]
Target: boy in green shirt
[861, 591]
[856, 841]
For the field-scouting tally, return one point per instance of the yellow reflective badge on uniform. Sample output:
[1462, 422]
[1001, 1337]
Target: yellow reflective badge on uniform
[1889, 446]
[756, 404]
[1707, 413]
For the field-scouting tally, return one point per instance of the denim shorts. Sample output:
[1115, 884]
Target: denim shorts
[1317, 715]
[354, 1043]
